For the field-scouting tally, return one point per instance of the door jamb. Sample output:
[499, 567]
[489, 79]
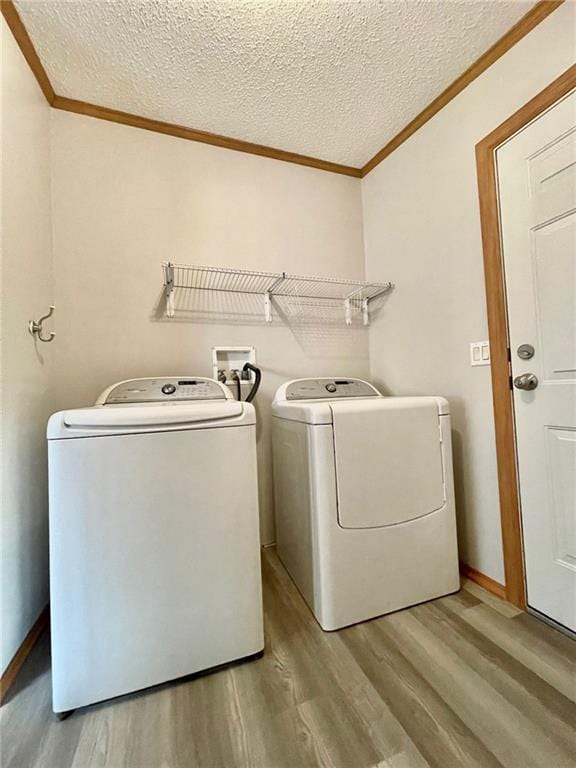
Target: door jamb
[498, 328]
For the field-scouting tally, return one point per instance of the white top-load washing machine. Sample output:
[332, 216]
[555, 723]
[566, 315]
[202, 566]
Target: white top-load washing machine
[154, 538]
[364, 498]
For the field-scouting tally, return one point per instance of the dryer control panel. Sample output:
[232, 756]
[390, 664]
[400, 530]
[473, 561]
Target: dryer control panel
[168, 389]
[329, 389]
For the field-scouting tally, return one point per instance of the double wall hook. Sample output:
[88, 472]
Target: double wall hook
[35, 327]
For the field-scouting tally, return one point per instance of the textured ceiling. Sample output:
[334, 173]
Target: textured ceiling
[335, 79]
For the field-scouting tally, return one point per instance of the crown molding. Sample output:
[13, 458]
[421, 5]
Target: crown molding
[21, 36]
[181, 132]
[526, 24]
[28, 51]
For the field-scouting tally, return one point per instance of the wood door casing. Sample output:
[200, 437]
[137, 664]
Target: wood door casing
[537, 195]
[498, 327]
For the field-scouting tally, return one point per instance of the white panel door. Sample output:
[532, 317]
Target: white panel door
[537, 184]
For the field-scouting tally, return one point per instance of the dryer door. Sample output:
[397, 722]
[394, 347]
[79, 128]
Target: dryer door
[388, 461]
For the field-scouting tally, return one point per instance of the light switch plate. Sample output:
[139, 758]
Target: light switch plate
[479, 353]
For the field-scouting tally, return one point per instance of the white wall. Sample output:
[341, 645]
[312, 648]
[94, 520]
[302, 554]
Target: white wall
[422, 231]
[26, 291]
[125, 200]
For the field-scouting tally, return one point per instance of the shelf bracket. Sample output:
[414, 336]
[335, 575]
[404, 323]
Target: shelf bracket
[348, 311]
[268, 297]
[169, 283]
[365, 312]
[268, 306]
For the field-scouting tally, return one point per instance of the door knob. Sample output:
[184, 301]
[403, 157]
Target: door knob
[526, 381]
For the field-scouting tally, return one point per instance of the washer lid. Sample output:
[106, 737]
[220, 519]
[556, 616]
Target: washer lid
[388, 461]
[133, 418]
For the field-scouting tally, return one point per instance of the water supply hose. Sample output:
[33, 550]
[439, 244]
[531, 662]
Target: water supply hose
[257, 379]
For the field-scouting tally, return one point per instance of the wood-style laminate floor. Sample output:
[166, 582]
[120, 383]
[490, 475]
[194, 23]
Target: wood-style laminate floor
[463, 681]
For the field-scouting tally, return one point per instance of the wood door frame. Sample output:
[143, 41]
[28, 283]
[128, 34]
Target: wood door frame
[498, 327]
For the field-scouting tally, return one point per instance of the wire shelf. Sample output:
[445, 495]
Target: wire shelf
[354, 296]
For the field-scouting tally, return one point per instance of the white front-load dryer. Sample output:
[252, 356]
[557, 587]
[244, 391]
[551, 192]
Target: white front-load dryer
[154, 538]
[364, 498]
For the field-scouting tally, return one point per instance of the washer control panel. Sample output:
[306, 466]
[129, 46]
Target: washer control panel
[163, 390]
[318, 389]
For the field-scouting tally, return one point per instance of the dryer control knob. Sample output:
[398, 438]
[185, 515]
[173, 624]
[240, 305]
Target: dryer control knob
[331, 387]
[168, 389]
